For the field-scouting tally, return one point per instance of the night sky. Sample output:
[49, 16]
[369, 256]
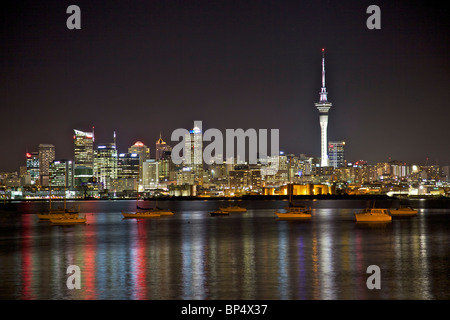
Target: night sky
[141, 67]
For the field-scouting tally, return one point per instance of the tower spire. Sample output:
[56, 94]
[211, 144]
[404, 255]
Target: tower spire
[323, 106]
[323, 90]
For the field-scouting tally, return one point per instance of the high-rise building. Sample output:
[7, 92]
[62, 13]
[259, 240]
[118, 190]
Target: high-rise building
[105, 163]
[161, 147]
[128, 166]
[150, 174]
[194, 153]
[323, 106]
[61, 173]
[33, 166]
[46, 156]
[141, 149]
[83, 156]
[336, 154]
[144, 153]
[83, 148]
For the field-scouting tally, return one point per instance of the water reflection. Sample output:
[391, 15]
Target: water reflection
[243, 256]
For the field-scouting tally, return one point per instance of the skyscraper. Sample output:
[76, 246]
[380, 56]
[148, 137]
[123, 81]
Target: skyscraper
[161, 146]
[46, 156]
[105, 164]
[194, 153]
[323, 106]
[33, 166]
[61, 173]
[83, 148]
[83, 143]
[141, 149]
[336, 154]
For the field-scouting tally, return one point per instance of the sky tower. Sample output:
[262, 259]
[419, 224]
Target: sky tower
[323, 106]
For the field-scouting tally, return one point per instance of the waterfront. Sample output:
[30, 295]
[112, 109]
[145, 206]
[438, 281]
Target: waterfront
[251, 255]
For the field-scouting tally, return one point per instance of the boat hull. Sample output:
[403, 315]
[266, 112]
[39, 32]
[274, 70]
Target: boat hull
[48, 216]
[293, 215]
[165, 213]
[234, 209]
[362, 217]
[219, 213]
[404, 213]
[68, 221]
[140, 215]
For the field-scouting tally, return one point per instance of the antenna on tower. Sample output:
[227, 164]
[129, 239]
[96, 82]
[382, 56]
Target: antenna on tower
[93, 135]
[115, 140]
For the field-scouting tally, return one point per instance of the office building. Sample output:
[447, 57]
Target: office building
[46, 157]
[105, 164]
[61, 173]
[194, 154]
[83, 148]
[336, 154]
[150, 174]
[161, 148]
[32, 160]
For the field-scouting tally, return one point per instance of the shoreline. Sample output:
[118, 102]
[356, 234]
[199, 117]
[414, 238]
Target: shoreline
[249, 197]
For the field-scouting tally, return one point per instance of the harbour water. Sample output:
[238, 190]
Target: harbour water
[251, 255]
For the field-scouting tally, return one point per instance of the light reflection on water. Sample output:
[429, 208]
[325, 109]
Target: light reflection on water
[242, 256]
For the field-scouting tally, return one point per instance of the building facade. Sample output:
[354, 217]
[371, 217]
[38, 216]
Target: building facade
[105, 164]
[336, 154]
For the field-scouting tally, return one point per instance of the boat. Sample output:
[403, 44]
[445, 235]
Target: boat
[299, 212]
[373, 215]
[162, 212]
[56, 214]
[219, 213]
[141, 214]
[233, 209]
[404, 211]
[293, 211]
[67, 219]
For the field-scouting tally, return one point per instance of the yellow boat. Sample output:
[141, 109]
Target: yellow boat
[404, 211]
[141, 215]
[233, 209]
[373, 215]
[161, 212]
[68, 219]
[219, 213]
[55, 214]
[302, 212]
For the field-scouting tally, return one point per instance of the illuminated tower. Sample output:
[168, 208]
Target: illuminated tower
[83, 148]
[323, 106]
[194, 153]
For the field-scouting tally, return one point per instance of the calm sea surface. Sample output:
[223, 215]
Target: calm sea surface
[251, 255]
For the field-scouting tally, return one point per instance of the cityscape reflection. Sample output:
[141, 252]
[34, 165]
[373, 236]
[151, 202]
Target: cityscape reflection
[242, 256]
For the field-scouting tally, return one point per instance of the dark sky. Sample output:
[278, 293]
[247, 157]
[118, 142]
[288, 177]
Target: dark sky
[141, 67]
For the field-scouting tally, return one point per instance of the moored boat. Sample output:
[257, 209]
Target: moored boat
[219, 213]
[233, 209]
[141, 215]
[68, 219]
[55, 214]
[404, 210]
[301, 212]
[373, 215]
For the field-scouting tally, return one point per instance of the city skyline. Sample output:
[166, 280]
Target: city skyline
[141, 69]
